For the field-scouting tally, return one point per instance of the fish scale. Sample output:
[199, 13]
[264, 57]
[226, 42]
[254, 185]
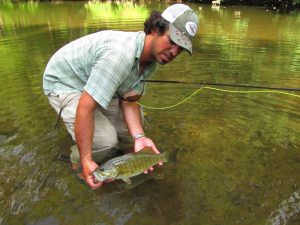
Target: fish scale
[128, 165]
[138, 165]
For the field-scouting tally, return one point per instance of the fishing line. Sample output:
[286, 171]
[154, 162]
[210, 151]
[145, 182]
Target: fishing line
[176, 104]
[271, 90]
[222, 84]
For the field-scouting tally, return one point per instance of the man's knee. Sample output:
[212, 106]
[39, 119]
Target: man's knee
[104, 146]
[105, 140]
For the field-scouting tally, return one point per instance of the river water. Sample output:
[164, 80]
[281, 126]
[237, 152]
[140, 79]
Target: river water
[237, 153]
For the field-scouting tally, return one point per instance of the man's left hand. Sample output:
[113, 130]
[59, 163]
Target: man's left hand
[146, 143]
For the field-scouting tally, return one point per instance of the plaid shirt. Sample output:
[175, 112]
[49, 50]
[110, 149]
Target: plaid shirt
[104, 64]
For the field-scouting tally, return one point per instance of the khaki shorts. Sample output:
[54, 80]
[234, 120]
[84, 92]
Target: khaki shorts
[109, 126]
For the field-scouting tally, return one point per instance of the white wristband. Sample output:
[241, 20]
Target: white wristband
[138, 136]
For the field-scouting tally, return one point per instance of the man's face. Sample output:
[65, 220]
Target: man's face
[163, 49]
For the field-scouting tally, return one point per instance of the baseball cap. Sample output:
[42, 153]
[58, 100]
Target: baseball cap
[183, 24]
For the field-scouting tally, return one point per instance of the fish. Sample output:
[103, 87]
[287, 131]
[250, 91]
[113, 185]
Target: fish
[129, 165]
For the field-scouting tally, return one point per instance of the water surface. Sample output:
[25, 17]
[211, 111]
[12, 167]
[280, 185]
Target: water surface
[238, 154]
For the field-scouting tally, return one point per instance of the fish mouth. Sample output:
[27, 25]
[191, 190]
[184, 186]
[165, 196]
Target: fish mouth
[97, 178]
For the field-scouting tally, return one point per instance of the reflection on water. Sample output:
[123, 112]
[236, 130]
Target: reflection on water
[287, 209]
[237, 153]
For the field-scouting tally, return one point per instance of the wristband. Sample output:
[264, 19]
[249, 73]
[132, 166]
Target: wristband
[138, 136]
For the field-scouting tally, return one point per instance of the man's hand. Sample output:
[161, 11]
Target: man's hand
[88, 166]
[145, 143]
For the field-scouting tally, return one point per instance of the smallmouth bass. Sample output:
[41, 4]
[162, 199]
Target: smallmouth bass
[128, 165]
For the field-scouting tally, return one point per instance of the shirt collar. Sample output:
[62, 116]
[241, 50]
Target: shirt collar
[140, 43]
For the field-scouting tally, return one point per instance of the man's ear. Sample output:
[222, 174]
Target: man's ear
[154, 32]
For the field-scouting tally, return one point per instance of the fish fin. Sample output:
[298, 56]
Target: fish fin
[170, 156]
[145, 151]
[127, 180]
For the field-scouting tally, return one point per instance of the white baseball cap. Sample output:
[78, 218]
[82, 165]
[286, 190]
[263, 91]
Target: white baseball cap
[183, 24]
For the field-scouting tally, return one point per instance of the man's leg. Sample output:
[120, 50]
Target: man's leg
[115, 115]
[105, 136]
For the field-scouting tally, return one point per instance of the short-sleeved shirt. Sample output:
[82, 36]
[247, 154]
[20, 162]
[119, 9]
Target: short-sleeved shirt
[104, 64]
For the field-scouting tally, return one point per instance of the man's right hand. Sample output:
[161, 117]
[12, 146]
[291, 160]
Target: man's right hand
[88, 166]
[84, 130]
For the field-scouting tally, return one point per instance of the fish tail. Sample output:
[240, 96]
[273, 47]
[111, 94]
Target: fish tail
[169, 156]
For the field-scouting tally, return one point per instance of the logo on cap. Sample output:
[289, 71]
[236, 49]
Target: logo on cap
[191, 28]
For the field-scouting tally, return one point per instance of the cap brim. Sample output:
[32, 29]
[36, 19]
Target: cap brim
[180, 39]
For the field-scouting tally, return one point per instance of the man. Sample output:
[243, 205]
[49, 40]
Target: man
[95, 81]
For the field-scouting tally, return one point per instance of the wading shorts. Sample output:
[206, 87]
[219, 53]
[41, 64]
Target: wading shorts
[109, 126]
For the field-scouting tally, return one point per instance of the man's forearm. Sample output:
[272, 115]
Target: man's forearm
[84, 133]
[84, 126]
[133, 119]
[132, 116]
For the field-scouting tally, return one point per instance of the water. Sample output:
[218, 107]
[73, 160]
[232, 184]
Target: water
[238, 154]
[287, 209]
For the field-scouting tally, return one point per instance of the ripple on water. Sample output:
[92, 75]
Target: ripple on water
[287, 210]
[17, 149]
[16, 206]
[51, 220]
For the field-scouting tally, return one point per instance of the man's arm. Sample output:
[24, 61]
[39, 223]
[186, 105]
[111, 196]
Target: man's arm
[84, 131]
[132, 116]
